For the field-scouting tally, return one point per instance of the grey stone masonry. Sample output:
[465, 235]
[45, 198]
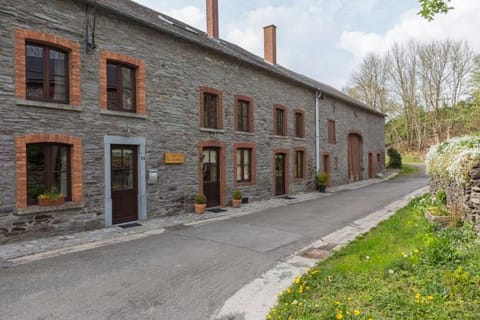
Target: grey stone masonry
[175, 71]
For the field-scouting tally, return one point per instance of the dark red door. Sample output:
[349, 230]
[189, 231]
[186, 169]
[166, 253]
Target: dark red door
[124, 172]
[326, 167]
[370, 165]
[211, 176]
[354, 157]
[279, 174]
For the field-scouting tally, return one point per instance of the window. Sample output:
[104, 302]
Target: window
[331, 132]
[210, 108]
[46, 73]
[299, 125]
[379, 158]
[242, 116]
[244, 165]
[48, 169]
[280, 120]
[120, 87]
[210, 102]
[299, 164]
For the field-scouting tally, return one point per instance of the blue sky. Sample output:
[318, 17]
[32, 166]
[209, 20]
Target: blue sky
[326, 39]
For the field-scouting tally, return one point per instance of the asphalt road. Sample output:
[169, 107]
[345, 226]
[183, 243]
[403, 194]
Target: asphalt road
[185, 273]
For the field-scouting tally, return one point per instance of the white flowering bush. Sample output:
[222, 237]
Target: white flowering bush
[453, 159]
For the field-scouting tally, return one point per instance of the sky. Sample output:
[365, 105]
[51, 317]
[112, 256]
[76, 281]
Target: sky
[327, 39]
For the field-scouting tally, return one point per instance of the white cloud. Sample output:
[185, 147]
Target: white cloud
[459, 24]
[191, 15]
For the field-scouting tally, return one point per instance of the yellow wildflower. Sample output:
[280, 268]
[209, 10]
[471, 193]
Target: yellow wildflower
[339, 316]
[416, 251]
[337, 302]
[297, 280]
[356, 312]
[269, 317]
[417, 296]
[429, 297]
[289, 290]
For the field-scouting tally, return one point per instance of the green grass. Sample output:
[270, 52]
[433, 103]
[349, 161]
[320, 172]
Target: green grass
[411, 158]
[408, 170]
[403, 269]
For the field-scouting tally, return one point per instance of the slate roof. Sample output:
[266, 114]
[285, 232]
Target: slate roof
[176, 28]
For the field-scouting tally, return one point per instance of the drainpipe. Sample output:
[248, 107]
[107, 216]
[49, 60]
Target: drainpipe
[318, 96]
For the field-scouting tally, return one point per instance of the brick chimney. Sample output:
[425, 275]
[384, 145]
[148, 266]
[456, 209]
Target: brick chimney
[212, 18]
[270, 43]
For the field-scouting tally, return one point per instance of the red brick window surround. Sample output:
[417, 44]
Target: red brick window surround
[75, 164]
[299, 118]
[280, 123]
[135, 88]
[300, 163]
[243, 113]
[332, 138]
[244, 164]
[59, 48]
[211, 108]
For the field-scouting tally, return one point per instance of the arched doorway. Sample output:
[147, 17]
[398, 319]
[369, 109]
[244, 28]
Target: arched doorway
[354, 156]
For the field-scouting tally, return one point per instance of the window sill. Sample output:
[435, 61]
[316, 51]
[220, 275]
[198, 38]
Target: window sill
[42, 209]
[47, 105]
[123, 114]
[212, 130]
[300, 139]
[245, 133]
[279, 137]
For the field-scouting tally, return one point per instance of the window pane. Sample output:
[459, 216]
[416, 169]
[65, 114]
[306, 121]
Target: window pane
[57, 88]
[128, 169]
[57, 62]
[59, 169]
[210, 112]
[111, 75]
[35, 72]
[127, 77]
[127, 100]
[36, 172]
[243, 115]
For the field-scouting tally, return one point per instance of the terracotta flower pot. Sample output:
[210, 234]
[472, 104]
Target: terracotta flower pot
[236, 203]
[200, 208]
[51, 202]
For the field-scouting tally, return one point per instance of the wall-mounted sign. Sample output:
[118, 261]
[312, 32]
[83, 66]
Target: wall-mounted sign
[174, 158]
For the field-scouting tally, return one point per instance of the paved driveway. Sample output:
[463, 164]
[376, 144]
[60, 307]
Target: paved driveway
[185, 273]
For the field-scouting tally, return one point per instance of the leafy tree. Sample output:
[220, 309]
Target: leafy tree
[432, 7]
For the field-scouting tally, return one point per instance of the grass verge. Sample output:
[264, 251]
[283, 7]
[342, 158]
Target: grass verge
[402, 269]
[408, 170]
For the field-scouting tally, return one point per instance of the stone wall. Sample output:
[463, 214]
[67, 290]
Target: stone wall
[462, 200]
[349, 119]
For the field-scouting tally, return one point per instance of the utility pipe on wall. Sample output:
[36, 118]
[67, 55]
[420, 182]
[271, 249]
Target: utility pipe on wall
[318, 96]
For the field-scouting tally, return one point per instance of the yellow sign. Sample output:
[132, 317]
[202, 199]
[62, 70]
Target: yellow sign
[174, 158]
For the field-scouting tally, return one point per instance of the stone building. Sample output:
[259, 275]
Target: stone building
[128, 113]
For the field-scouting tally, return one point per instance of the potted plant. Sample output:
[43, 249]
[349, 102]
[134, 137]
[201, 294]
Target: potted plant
[236, 198]
[321, 179]
[50, 198]
[200, 203]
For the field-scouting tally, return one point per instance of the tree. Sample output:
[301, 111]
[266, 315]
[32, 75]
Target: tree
[369, 82]
[432, 7]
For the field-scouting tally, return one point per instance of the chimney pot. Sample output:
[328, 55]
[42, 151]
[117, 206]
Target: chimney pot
[270, 43]
[212, 18]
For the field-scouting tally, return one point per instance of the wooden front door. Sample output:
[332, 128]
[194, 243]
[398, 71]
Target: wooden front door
[280, 174]
[354, 157]
[326, 167]
[124, 178]
[211, 176]
[371, 172]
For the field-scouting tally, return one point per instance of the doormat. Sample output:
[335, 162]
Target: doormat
[217, 210]
[130, 225]
[288, 198]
